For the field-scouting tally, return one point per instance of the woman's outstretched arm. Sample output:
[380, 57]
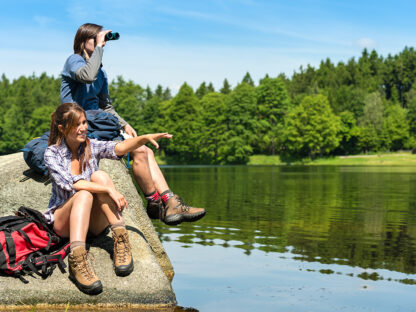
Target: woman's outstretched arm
[131, 144]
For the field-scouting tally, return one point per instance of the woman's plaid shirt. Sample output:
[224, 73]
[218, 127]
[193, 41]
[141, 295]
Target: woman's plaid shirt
[58, 161]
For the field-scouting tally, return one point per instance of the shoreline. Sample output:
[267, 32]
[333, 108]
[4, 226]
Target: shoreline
[400, 158]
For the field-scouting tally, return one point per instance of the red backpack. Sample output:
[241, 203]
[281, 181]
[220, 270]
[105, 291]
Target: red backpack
[30, 245]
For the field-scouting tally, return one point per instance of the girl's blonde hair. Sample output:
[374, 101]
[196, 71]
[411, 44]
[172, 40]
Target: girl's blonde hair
[67, 115]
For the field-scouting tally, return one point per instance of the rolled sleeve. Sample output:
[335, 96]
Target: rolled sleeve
[104, 149]
[57, 172]
[76, 178]
[88, 72]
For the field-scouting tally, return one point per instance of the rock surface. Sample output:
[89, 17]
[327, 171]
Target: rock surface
[147, 287]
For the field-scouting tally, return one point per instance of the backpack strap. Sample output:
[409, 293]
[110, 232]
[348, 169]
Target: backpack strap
[11, 248]
[10, 245]
[3, 259]
[10, 221]
[7, 219]
[43, 265]
[20, 276]
[26, 237]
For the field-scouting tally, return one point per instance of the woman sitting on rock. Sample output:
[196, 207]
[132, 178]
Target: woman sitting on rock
[85, 198]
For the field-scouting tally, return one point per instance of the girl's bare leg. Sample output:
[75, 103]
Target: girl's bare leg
[73, 217]
[104, 210]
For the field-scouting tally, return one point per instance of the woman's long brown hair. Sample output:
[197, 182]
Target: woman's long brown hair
[84, 33]
[67, 115]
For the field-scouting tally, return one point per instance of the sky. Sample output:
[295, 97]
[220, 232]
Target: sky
[171, 42]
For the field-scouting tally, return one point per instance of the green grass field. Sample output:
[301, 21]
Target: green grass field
[390, 159]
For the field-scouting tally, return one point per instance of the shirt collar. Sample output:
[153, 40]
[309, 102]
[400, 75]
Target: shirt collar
[66, 152]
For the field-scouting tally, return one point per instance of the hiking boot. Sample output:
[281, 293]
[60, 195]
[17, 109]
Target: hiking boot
[153, 208]
[122, 258]
[176, 211]
[82, 273]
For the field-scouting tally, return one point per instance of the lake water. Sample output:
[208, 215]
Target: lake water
[295, 238]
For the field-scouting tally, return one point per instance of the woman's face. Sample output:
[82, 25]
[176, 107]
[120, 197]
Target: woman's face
[90, 46]
[78, 134]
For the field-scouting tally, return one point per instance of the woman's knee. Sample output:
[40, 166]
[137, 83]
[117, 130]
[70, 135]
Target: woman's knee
[101, 177]
[84, 196]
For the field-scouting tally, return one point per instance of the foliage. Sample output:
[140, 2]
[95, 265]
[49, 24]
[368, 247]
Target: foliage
[214, 134]
[349, 133]
[272, 105]
[128, 99]
[371, 123]
[360, 105]
[395, 128]
[226, 87]
[241, 126]
[311, 129]
[182, 119]
[25, 106]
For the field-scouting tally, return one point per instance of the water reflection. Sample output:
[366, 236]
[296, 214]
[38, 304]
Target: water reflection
[355, 216]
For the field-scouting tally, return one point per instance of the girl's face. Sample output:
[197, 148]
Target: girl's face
[78, 134]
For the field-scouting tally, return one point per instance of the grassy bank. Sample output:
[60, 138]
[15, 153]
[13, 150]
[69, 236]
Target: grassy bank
[388, 159]
[391, 159]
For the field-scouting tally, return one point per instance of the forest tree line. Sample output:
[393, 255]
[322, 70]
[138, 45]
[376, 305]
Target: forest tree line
[363, 105]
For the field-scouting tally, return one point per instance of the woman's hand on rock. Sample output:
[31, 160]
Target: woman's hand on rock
[118, 199]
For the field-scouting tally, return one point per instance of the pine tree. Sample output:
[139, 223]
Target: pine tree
[166, 94]
[210, 88]
[148, 93]
[248, 80]
[226, 88]
[201, 91]
[159, 92]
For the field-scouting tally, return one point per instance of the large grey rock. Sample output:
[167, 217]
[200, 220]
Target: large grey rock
[147, 287]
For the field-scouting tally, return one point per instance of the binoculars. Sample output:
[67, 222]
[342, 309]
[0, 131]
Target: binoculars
[112, 36]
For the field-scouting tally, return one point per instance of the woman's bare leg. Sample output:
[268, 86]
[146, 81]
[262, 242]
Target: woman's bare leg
[104, 210]
[73, 217]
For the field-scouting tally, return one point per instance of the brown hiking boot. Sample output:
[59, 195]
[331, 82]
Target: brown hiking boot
[82, 273]
[122, 258]
[154, 207]
[176, 211]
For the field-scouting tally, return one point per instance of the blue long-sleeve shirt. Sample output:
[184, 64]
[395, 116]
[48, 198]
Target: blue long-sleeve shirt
[85, 82]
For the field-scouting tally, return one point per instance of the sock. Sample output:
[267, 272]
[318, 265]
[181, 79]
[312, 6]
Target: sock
[118, 224]
[76, 244]
[154, 196]
[166, 195]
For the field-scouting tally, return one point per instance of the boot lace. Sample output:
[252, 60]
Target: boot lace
[84, 264]
[122, 247]
[182, 205]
